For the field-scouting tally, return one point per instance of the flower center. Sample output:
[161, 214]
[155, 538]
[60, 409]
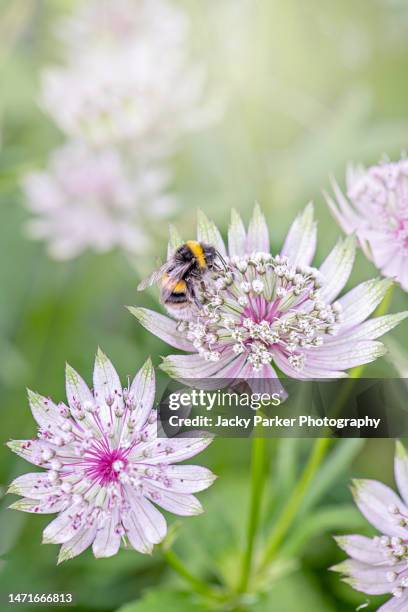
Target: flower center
[104, 465]
[260, 306]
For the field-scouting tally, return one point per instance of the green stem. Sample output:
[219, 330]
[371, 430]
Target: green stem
[197, 585]
[257, 483]
[290, 509]
[319, 451]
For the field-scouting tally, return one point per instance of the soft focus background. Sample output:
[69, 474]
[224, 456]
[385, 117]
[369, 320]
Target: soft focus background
[307, 86]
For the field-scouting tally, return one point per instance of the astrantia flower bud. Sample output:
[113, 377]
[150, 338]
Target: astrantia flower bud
[98, 479]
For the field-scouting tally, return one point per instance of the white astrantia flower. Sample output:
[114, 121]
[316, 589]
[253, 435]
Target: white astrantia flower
[275, 310]
[106, 469]
[89, 199]
[137, 87]
[379, 565]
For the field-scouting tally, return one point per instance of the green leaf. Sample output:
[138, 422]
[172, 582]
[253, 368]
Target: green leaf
[165, 600]
[332, 519]
[338, 462]
[294, 592]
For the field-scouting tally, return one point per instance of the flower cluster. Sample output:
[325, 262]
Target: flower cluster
[106, 467]
[376, 210]
[379, 565]
[265, 311]
[124, 94]
[92, 199]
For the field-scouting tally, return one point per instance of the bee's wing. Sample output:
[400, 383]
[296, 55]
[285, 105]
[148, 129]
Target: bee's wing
[154, 277]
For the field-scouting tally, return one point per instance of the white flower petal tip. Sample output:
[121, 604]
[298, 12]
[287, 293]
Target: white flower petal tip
[208, 233]
[236, 235]
[175, 240]
[105, 470]
[375, 208]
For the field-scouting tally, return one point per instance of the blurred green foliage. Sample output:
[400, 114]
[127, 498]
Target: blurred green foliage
[310, 85]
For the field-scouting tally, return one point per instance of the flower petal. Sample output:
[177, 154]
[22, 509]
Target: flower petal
[369, 330]
[360, 302]
[78, 544]
[76, 387]
[107, 538]
[258, 234]
[144, 524]
[107, 387]
[163, 327]
[300, 243]
[62, 528]
[44, 411]
[172, 450]
[181, 504]
[346, 355]
[377, 502]
[396, 604]
[39, 506]
[366, 578]
[192, 366]
[143, 389]
[34, 485]
[236, 235]
[175, 240]
[186, 478]
[336, 268]
[208, 233]
[343, 212]
[401, 470]
[362, 548]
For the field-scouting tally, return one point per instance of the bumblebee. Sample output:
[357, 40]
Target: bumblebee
[182, 276]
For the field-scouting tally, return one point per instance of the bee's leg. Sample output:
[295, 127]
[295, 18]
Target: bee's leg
[192, 296]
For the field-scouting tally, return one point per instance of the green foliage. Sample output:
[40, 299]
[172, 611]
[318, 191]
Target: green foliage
[309, 85]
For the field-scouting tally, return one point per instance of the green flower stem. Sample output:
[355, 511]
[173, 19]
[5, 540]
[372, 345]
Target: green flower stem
[197, 585]
[257, 485]
[291, 508]
[319, 451]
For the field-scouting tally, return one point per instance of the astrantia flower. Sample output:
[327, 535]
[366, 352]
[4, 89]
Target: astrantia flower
[92, 199]
[376, 209]
[379, 565]
[106, 469]
[269, 310]
[139, 88]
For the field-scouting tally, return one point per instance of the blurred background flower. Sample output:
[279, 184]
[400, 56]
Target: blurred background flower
[126, 91]
[375, 208]
[309, 85]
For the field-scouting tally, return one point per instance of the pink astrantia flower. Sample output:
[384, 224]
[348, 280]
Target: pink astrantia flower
[106, 469]
[379, 565]
[269, 310]
[376, 210]
[94, 200]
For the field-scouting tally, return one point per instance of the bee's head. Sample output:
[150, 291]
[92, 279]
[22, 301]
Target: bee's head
[210, 254]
